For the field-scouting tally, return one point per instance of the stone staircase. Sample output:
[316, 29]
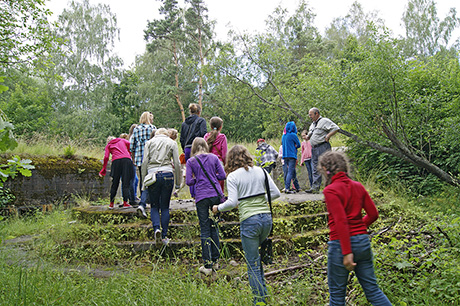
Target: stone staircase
[300, 223]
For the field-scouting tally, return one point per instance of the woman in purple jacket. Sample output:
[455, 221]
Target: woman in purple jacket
[207, 194]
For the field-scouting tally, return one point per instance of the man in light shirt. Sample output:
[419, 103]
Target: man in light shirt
[320, 132]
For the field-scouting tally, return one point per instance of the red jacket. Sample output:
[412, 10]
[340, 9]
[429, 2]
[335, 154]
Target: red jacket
[345, 200]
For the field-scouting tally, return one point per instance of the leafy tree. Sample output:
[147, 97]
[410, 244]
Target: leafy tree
[426, 34]
[25, 32]
[401, 107]
[83, 90]
[168, 34]
[200, 30]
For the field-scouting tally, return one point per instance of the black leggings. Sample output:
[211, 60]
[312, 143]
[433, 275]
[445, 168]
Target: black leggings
[121, 168]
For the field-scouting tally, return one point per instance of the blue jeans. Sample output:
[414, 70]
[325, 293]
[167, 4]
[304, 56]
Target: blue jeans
[307, 163]
[209, 231]
[316, 152]
[253, 231]
[160, 195]
[291, 173]
[337, 274]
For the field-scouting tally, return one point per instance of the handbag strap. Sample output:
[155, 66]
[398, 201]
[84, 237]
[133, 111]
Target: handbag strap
[207, 175]
[269, 196]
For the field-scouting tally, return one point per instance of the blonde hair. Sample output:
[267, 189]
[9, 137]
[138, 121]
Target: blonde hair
[238, 157]
[162, 131]
[124, 136]
[199, 146]
[332, 162]
[110, 138]
[146, 118]
[172, 134]
[216, 124]
[194, 109]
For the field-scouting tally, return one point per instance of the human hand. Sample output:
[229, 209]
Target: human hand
[100, 175]
[215, 209]
[348, 262]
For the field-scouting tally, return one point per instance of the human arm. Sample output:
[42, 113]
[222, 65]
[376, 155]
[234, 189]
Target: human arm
[330, 134]
[274, 191]
[336, 211]
[220, 171]
[182, 136]
[232, 200]
[372, 213]
[189, 173]
[103, 172]
[145, 161]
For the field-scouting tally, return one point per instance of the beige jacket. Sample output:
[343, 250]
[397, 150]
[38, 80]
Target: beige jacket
[158, 153]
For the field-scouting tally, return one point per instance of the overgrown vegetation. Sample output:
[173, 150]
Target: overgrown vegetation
[415, 242]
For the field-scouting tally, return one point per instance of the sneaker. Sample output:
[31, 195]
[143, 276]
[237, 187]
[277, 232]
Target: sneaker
[157, 235]
[126, 205]
[111, 205]
[165, 241]
[215, 266]
[290, 192]
[312, 190]
[205, 270]
[141, 209]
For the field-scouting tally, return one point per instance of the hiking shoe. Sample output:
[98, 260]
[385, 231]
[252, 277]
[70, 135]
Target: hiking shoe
[165, 241]
[205, 270]
[141, 209]
[111, 205]
[157, 235]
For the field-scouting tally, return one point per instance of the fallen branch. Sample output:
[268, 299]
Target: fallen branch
[386, 229]
[285, 270]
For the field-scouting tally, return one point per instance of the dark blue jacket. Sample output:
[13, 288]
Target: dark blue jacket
[290, 141]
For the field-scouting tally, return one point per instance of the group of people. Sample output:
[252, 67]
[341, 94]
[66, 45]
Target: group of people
[208, 165]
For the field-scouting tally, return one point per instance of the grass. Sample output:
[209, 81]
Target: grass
[417, 263]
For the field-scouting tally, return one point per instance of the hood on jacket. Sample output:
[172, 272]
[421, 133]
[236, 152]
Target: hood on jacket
[291, 128]
[116, 140]
[190, 119]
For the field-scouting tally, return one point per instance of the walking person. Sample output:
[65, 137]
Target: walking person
[217, 142]
[305, 156]
[349, 246]
[320, 132]
[204, 171]
[141, 134]
[267, 155]
[159, 152]
[246, 189]
[290, 143]
[193, 126]
[121, 168]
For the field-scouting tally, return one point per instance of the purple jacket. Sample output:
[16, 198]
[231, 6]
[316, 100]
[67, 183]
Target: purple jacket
[195, 175]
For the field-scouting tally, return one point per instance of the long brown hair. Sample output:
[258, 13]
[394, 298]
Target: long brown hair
[199, 146]
[238, 157]
[333, 162]
[215, 123]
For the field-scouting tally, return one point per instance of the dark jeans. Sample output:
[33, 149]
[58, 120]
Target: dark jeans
[291, 173]
[160, 195]
[121, 168]
[337, 274]
[132, 191]
[209, 231]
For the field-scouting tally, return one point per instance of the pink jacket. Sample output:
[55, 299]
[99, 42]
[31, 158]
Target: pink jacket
[119, 148]
[220, 146]
[306, 151]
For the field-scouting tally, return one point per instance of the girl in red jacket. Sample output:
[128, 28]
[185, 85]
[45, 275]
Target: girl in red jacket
[349, 245]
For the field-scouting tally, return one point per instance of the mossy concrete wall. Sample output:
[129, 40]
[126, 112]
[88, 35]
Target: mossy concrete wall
[55, 179]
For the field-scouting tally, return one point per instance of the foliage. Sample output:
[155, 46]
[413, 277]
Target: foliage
[25, 32]
[69, 152]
